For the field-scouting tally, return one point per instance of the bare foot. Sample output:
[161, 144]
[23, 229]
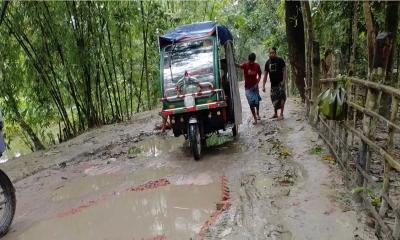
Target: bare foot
[275, 116]
[255, 122]
[280, 117]
[258, 117]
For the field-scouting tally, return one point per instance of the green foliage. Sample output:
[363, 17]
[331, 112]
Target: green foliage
[332, 22]
[374, 198]
[256, 25]
[134, 151]
[218, 140]
[317, 150]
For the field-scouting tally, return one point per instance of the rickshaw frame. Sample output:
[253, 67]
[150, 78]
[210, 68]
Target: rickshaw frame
[213, 109]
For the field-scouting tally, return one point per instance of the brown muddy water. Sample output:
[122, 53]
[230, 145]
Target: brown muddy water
[176, 212]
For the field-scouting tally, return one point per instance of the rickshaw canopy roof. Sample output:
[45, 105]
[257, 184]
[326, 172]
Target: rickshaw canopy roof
[194, 31]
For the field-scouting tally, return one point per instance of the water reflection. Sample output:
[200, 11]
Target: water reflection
[176, 212]
[156, 146]
[195, 57]
[6, 156]
[3, 159]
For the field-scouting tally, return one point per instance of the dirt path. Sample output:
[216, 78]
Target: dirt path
[125, 182]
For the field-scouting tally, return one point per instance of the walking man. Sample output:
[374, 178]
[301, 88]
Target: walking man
[275, 68]
[252, 76]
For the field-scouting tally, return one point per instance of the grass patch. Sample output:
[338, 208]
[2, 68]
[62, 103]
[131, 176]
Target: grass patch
[133, 151]
[317, 150]
[218, 139]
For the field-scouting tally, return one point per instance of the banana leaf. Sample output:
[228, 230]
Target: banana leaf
[341, 106]
[332, 104]
[326, 104]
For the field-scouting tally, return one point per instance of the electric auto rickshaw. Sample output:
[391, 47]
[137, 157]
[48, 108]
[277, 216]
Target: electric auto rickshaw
[199, 82]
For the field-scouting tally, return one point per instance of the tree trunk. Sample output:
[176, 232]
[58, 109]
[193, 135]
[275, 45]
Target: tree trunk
[308, 39]
[145, 32]
[355, 39]
[3, 10]
[72, 86]
[144, 66]
[12, 102]
[115, 114]
[120, 112]
[123, 72]
[370, 35]
[131, 82]
[108, 90]
[391, 27]
[315, 86]
[295, 36]
[141, 85]
[31, 52]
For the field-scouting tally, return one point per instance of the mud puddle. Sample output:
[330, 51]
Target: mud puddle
[157, 146]
[224, 143]
[174, 212]
[97, 182]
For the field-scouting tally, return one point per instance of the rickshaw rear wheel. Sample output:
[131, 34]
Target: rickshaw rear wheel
[195, 141]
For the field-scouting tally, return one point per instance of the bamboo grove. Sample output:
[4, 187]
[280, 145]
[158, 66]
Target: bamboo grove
[81, 64]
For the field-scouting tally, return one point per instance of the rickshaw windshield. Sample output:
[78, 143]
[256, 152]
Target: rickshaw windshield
[192, 58]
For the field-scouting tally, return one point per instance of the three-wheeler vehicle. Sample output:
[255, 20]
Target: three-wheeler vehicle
[199, 82]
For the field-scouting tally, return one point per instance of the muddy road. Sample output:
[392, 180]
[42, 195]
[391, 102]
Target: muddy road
[126, 181]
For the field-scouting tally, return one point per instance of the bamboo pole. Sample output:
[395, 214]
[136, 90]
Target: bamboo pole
[377, 86]
[387, 169]
[368, 126]
[393, 163]
[375, 184]
[354, 113]
[385, 229]
[396, 232]
[376, 115]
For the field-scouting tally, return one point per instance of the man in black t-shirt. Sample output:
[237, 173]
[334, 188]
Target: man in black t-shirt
[275, 68]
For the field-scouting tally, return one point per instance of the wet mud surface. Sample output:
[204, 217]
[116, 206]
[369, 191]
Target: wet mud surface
[275, 181]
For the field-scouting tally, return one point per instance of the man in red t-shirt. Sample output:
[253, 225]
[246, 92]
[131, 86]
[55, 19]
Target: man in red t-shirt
[252, 76]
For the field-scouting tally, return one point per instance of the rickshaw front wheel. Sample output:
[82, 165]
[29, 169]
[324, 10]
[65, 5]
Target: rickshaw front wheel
[8, 203]
[195, 141]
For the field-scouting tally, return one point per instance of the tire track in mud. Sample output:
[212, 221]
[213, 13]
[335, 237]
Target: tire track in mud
[262, 182]
[222, 207]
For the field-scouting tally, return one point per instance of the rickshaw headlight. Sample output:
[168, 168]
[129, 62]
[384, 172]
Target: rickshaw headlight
[189, 101]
